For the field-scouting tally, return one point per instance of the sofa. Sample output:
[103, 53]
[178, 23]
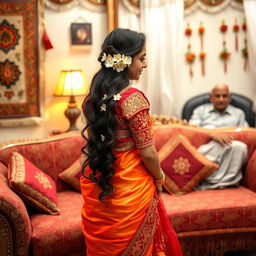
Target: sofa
[208, 222]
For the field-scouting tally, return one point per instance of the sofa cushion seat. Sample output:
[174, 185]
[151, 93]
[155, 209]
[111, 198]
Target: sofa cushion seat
[50, 232]
[212, 211]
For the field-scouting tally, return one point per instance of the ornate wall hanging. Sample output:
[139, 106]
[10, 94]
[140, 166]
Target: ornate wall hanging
[63, 5]
[20, 57]
[211, 6]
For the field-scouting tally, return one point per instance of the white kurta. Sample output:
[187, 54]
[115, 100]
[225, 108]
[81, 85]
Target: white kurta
[230, 158]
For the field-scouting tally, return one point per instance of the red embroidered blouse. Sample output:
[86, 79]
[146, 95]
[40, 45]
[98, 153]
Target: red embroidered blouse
[134, 125]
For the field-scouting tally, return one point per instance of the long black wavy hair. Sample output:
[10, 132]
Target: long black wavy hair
[100, 125]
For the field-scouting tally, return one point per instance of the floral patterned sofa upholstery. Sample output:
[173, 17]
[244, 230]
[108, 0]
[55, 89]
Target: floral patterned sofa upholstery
[207, 222]
[26, 231]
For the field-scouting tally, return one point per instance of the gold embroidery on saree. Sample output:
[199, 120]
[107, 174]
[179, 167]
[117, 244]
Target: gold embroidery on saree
[133, 104]
[142, 239]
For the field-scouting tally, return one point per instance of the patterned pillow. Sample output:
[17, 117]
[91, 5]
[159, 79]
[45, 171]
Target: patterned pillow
[183, 165]
[32, 184]
[72, 174]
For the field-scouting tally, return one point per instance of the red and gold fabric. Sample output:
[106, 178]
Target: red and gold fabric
[134, 125]
[35, 186]
[129, 222]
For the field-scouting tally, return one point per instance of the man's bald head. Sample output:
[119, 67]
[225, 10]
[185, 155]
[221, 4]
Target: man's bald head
[220, 97]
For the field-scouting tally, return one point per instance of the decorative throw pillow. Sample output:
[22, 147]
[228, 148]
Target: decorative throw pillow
[72, 174]
[32, 184]
[183, 165]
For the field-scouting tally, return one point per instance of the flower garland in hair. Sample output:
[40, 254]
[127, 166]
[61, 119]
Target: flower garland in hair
[224, 54]
[202, 54]
[103, 107]
[189, 55]
[118, 62]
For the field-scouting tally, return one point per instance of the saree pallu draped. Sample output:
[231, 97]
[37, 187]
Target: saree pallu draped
[127, 222]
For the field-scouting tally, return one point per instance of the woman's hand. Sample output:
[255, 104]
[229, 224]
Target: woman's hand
[159, 189]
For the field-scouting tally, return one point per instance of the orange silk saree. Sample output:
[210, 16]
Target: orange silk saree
[109, 227]
[132, 221]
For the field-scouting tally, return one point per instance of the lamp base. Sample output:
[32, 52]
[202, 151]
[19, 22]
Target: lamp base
[72, 113]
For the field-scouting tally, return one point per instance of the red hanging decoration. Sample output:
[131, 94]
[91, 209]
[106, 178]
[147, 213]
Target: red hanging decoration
[236, 30]
[46, 41]
[244, 26]
[188, 31]
[245, 49]
[202, 54]
[201, 31]
[245, 55]
[224, 54]
[223, 27]
[189, 56]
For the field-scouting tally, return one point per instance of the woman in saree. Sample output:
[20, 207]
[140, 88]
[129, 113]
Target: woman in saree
[123, 214]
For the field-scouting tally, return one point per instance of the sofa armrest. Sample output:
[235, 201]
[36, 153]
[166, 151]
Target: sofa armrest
[250, 173]
[15, 223]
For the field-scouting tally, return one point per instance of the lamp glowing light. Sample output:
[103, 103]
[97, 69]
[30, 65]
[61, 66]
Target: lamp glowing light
[71, 83]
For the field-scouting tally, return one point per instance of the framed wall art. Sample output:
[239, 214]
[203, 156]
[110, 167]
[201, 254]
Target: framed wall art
[20, 58]
[81, 35]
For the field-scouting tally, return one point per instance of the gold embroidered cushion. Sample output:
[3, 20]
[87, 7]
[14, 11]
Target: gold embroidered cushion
[72, 174]
[183, 165]
[32, 184]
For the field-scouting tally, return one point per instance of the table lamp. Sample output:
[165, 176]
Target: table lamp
[71, 83]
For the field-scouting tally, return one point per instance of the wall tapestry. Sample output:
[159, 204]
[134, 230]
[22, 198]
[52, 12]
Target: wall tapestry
[20, 74]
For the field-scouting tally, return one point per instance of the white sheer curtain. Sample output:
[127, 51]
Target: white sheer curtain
[162, 22]
[250, 14]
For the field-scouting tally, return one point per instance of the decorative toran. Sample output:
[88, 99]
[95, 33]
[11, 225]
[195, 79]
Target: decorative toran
[189, 56]
[202, 54]
[224, 54]
[245, 49]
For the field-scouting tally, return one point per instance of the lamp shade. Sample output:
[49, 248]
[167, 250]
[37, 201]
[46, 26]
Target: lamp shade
[71, 82]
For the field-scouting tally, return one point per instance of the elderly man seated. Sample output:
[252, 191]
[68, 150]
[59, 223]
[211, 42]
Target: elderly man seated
[229, 154]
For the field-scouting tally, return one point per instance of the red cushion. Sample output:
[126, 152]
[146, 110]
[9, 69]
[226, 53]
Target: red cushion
[183, 165]
[33, 185]
[72, 174]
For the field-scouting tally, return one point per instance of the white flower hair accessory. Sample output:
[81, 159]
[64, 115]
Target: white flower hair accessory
[117, 97]
[103, 107]
[102, 137]
[118, 62]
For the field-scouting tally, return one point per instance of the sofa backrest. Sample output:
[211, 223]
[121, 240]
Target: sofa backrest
[51, 155]
[198, 136]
